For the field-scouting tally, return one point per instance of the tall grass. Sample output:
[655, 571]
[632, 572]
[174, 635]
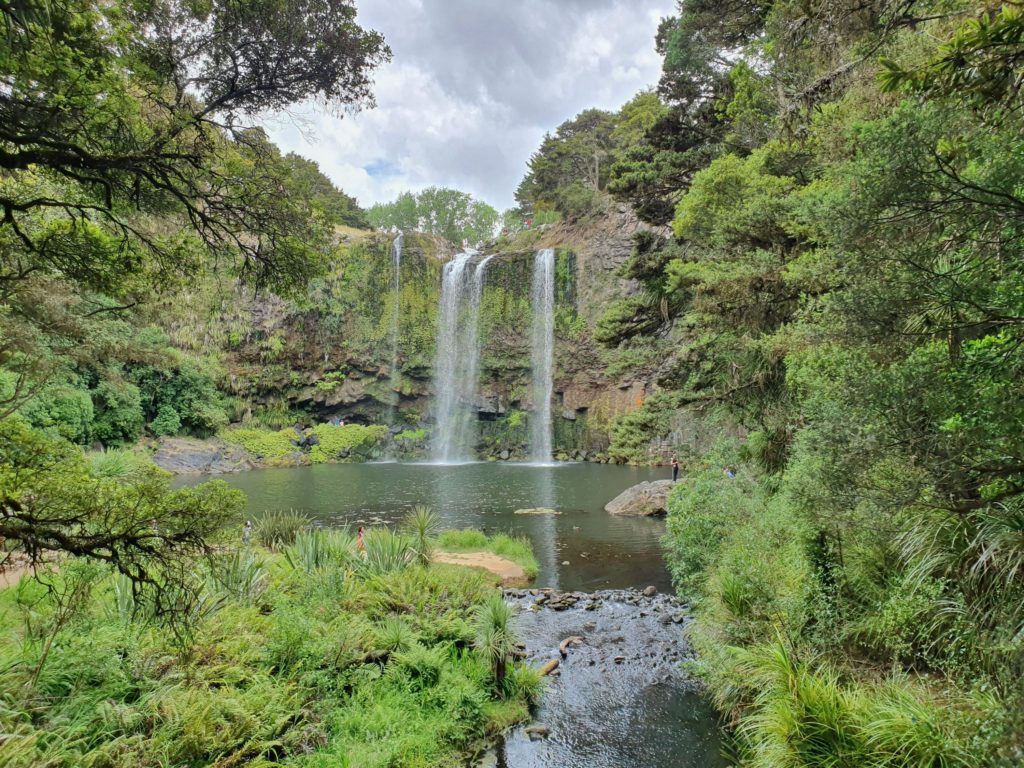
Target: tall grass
[384, 552]
[421, 525]
[804, 716]
[317, 549]
[276, 530]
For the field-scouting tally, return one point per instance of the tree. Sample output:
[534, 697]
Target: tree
[307, 181]
[51, 503]
[570, 168]
[450, 213]
[125, 160]
[127, 165]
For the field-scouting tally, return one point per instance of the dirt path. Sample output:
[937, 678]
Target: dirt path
[510, 573]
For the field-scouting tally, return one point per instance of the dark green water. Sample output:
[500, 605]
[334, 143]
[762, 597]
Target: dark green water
[602, 551]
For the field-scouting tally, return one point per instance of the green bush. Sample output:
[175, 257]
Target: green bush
[262, 443]
[354, 440]
[167, 422]
[62, 409]
[118, 418]
[279, 529]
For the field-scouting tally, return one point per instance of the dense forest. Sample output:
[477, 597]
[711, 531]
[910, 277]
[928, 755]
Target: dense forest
[842, 281]
[827, 271]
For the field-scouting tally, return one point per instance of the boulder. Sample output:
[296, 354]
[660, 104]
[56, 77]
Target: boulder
[643, 499]
[184, 456]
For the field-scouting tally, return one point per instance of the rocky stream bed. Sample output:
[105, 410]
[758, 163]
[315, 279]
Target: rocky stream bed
[619, 697]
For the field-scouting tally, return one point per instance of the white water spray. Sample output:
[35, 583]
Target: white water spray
[394, 380]
[542, 345]
[458, 359]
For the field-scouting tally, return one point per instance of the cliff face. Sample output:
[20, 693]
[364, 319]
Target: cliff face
[328, 353]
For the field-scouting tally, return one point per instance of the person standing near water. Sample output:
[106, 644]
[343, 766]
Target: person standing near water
[247, 533]
[675, 468]
[360, 544]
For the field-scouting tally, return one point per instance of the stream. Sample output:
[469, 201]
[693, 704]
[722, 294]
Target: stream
[640, 711]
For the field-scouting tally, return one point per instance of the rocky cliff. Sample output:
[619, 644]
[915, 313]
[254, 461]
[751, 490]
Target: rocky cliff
[327, 354]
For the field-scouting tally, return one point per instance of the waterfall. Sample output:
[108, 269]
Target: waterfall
[458, 358]
[396, 287]
[542, 345]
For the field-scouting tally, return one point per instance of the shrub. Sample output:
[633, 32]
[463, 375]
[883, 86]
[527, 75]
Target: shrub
[316, 549]
[262, 443]
[385, 552]
[118, 413]
[353, 440]
[278, 529]
[421, 525]
[240, 574]
[167, 421]
[64, 410]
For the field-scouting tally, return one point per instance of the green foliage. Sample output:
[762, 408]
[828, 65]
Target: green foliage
[118, 413]
[570, 169]
[316, 549]
[64, 410]
[167, 421]
[262, 443]
[840, 291]
[118, 463]
[351, 440]
[454, 215]
[421, 525]
[494, 639]
[632, 434]
[515, 548]
[279, 529]
[310, 674]
[385, 552]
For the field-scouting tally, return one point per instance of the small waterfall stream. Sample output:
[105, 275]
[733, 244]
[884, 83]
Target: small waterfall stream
[394, 380]
[458, 358]
[542, 345]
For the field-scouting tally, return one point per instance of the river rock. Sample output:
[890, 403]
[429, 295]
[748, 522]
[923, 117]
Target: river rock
[186, 455]
[537, 511]
[643, 499]
[650, 591]
[537, 731]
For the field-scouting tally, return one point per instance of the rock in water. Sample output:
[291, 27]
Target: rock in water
[643, 499]
[537, 511]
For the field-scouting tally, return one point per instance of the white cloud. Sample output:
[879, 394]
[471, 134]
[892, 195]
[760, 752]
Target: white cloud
[472, 89]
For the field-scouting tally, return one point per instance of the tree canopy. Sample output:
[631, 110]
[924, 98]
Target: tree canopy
[128, 167]
[450, 213]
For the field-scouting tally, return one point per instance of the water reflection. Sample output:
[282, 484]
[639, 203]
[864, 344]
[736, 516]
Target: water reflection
[603, 551]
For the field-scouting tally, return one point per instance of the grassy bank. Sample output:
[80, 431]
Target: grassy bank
[514, 548]
[312, 655]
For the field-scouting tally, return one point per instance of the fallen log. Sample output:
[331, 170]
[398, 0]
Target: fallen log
[572, 640]
[550, 667]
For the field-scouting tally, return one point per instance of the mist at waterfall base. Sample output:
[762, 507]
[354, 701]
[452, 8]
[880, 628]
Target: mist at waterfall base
[457, 363]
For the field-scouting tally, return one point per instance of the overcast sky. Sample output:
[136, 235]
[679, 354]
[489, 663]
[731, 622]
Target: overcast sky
[473, 87]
